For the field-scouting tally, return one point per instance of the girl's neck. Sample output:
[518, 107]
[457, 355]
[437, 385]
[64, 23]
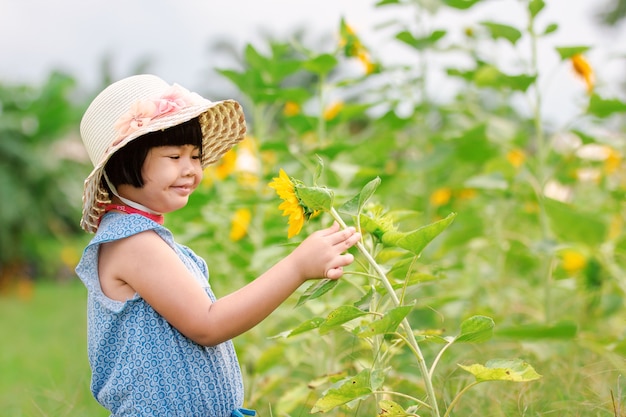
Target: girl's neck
[119, 200]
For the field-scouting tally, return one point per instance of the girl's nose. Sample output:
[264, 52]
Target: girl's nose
[189, 168]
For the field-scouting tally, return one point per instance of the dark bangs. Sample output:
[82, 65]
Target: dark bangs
[125, 165]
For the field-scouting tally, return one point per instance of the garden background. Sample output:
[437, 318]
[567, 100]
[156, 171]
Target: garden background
[489, 187]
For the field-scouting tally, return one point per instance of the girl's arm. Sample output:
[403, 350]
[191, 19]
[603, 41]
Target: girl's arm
[148, 266]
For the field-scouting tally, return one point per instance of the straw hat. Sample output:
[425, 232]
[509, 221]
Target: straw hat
[142, 104]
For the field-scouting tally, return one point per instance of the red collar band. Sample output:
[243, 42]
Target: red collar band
[158, 218]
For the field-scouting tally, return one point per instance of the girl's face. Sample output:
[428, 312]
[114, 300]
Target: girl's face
[170, 174]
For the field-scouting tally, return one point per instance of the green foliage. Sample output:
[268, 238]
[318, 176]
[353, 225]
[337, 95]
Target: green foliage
[477, 214]
[503, 370]
[38, 174]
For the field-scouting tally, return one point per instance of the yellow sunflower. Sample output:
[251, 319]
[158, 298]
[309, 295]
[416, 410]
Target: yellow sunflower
[333, 110]
[239, 224]
[440, 196]
[286, 190]
[573, 261]
[583, 69]
[291, 109]
[516, 157]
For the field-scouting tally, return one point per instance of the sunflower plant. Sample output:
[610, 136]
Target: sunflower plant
[383, 319]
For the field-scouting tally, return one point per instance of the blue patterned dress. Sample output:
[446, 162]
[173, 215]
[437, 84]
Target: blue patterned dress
[141, 365]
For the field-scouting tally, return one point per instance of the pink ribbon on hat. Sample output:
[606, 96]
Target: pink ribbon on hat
[143, 112]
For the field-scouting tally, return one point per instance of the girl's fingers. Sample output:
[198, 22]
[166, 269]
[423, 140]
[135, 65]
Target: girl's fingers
[334, 273]
[342, 236]
[337, 272]
[330, 230]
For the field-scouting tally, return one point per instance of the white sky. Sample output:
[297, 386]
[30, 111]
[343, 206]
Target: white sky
[73, 35]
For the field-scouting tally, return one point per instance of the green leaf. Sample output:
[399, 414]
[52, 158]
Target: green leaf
[315, 198]
[535, 6]
[601, 107]
[357, 387]
[275, 67]
[354, 206]
[321, 64]
[407, 271]
[519, 82]
[490, 76]
[473, 146]
[417, 240]
[389, 408]
[387, 324]
[295, 94]
[476, 329]
[551, 28]
[340, 316]
[460, 4]
[573, 225]
[306, 326]
[564, 331]
[569, 51]
[316, 290]
[499, 30]
[318, 169]
[420, 43]
[245, 81]
[515, 370]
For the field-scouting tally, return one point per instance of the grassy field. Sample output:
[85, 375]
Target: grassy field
[43, 359]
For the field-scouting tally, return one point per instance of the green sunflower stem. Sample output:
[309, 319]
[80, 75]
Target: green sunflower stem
[432, 399]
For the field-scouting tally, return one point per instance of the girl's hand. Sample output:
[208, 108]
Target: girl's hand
[321, 255]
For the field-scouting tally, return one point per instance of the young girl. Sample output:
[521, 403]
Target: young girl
[159, 342]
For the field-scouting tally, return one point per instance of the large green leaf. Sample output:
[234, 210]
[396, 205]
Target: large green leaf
[574, 225]
[340, 316]
[566, 52]
[317, 289]
[460, 4]
[473, 146]
[499, 30]
[275, 67]
[306, 326]
[387, 324]
[535, 6]
[476, 329]
[602, 107]
[418, 239]
[321, 64]
[515, 370]
[389, 408]
[491, 77]
[423, 42]
[358, 387]
[354, 206]
[315, 198]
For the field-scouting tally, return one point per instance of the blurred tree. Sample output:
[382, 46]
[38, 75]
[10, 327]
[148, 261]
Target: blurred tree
[38, 168]
[615, 13]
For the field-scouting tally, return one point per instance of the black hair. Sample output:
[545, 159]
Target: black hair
[125, 165]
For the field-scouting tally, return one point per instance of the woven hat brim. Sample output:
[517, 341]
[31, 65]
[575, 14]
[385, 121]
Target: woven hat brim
[223, 126]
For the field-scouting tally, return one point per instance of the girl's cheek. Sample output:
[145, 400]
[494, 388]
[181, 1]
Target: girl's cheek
[200, 175]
